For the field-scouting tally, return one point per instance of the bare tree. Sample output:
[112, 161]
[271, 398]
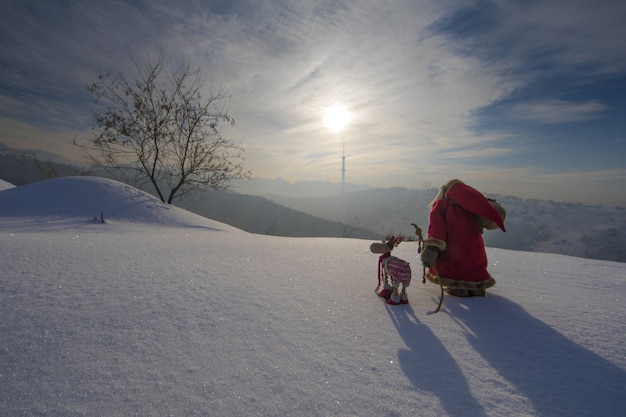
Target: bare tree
[161, 129]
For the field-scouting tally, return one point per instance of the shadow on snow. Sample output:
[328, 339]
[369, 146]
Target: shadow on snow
[559, 377]
[429, 366]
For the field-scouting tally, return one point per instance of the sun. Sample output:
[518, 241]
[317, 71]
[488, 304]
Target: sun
[336, 118]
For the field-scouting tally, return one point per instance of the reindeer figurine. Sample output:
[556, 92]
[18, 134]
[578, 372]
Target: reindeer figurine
[393, 273]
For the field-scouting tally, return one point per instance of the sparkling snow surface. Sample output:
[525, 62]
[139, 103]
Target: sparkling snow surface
[160, 312]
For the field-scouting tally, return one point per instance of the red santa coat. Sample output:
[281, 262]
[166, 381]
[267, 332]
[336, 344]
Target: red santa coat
[455, 230]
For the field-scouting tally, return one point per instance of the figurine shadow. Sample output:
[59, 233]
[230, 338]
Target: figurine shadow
[558, 376]
[429, 366]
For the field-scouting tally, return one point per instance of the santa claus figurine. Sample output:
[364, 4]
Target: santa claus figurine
[454, 251]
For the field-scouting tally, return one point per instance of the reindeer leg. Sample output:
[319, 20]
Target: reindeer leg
[404, 298]
[395, 297]
[387, 288]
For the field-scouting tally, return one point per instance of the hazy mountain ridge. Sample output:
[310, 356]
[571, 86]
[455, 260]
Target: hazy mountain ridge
[19, 166]
[383, 210]
[546, 226]
[259, 215]
[279, 186]
[532, 225]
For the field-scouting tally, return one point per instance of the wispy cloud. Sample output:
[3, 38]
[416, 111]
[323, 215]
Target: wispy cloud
[558, 36]
[558, 111]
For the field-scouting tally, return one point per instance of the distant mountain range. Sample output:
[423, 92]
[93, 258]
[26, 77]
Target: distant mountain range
[280, 187]
[277, 207]
[19, 167]
[259, 215]
[575, 229]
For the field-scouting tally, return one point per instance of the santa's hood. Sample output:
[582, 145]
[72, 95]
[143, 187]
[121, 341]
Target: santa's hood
[472, 200]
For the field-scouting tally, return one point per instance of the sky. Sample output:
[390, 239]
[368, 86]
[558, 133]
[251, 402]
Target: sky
[524, 98]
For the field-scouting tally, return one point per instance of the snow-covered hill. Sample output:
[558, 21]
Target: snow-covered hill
[161, 312]
[81, 201]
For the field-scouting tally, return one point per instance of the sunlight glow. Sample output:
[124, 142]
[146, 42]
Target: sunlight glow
[336, 118]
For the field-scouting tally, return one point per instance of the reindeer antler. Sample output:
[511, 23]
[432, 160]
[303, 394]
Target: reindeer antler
[418, 232]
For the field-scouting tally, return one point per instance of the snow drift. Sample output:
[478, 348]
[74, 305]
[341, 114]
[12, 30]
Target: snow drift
[87, 199]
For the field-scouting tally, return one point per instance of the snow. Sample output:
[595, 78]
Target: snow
[162, 312]
[5, 185]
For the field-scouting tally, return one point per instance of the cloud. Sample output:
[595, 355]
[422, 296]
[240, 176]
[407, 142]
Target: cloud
[559, 36]
[605, 175]
[558, 111]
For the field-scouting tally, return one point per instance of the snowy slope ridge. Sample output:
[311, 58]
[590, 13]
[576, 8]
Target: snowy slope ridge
[149, 314]
[83, 199]
[5, 185]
